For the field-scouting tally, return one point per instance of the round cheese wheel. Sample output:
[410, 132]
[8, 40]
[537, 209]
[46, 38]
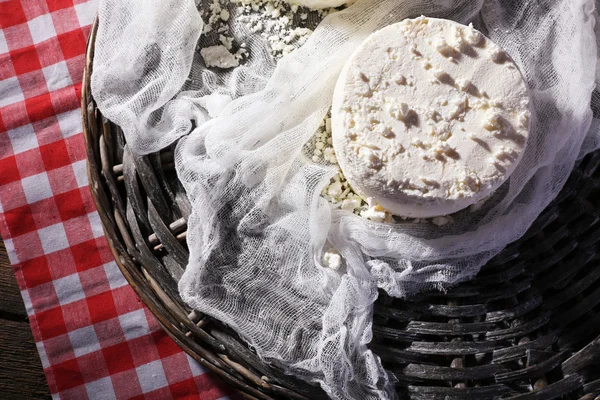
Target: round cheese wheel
[429, 116]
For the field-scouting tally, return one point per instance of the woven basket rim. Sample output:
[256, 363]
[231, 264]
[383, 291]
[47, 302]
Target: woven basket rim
[150, 293]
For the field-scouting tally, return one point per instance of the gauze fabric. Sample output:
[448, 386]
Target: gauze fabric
[259, 225]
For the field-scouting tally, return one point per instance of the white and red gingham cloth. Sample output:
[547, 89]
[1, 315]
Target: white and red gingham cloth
[95, 338]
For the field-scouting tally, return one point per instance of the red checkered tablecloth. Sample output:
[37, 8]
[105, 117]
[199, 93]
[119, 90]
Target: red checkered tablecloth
[95, 338]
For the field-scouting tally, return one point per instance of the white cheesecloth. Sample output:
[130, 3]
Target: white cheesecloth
[259, 225]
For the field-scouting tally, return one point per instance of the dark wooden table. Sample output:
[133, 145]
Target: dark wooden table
[21, 373]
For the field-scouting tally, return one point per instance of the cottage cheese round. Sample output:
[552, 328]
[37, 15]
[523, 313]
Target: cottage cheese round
[429, 116]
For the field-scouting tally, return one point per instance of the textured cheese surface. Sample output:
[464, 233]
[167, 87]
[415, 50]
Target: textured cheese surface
[428, 117]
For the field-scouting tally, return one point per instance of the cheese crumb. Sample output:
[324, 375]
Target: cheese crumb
[350, 204]
[444, 48]
[505, 153]
[219, 56]
[274, 21]
[442, 149]
[472, 36]
[332, 259]
[419, 143]
[461, 106]
[497, 54]
[335, 189]
[524, 120]
[442, 131]
[374, 213]
[400, 111]
[493, 122]
[463, 84]
[457, 40]
[467, 182]
[226, 41]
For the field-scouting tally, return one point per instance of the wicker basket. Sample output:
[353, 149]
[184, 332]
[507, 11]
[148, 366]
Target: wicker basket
[527, 327]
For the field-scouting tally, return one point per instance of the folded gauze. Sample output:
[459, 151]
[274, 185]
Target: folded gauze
[259, 224]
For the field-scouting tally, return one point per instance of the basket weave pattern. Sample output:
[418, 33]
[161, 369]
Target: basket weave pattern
[527, 327]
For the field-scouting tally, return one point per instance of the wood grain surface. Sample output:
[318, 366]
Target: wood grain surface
[11, 303]
[21, 373]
